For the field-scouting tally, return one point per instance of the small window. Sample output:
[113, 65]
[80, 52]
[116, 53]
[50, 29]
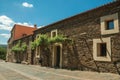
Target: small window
[110, 25]
[54, 33]
[102, 51]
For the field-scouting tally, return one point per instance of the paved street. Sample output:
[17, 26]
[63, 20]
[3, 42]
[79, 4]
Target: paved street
[12, 71]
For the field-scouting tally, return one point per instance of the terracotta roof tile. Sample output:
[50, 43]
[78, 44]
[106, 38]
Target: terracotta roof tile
[21, 31]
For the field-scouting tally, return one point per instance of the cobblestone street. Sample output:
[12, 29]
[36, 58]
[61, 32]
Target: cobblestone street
[12, 71]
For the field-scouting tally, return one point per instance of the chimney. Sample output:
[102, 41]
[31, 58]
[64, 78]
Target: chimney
[35, 26]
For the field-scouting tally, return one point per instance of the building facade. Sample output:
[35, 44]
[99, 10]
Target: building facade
[95, 42]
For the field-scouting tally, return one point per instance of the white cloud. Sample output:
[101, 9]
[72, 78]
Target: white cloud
[6, 23]
[5, 20]
[5, 35]
[25, 4]
[25, 24]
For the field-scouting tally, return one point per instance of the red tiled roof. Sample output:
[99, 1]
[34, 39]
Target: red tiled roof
[20, 30]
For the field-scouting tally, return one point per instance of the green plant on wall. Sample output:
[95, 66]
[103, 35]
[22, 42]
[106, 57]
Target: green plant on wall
[23, 47]
[59, 39]
[44, 40]
[16, 48]
[33, 45]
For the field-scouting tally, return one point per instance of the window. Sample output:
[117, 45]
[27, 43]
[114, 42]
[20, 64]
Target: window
[102, 49]
[109, 24]
[54, 33]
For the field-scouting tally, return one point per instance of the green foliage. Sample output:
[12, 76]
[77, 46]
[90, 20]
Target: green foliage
[42, 40]
[16, 48]
[23, 47]
[33, 45]
[60, 39]
[2, 53]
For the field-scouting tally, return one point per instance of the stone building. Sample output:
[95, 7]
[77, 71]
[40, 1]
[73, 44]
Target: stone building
[95, 35]
[19, 33]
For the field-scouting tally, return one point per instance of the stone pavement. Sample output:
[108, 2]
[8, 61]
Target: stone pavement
[12, 71]
[7, 74]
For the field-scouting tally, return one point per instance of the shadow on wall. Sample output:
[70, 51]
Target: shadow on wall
[83, 59]
[76, 60]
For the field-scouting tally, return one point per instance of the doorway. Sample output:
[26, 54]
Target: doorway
[57, 56]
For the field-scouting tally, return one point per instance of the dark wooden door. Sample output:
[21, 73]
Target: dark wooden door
[57, 56]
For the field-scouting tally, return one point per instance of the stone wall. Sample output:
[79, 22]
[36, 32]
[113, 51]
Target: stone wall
[22, 56]
[83, 28]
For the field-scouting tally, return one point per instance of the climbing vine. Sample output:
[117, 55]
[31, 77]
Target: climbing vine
[44, 40]
[18, 48]
[59, 38]
[33, 45]
[23, 47]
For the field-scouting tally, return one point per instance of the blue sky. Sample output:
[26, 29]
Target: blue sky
[40, 12]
